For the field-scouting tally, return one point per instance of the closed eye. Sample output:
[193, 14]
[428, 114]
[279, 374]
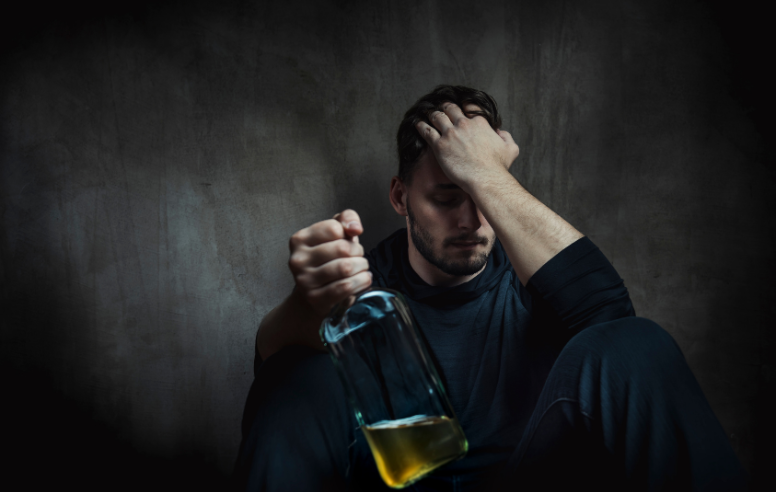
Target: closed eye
[448, 202]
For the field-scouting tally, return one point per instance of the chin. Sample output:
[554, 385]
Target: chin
[463, 268]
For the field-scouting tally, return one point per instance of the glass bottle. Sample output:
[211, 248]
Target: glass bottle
[393, 387]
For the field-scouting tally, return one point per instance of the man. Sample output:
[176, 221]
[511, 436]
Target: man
[554, 380]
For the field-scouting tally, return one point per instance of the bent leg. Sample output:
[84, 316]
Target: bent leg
[621, 409]
[297, 427]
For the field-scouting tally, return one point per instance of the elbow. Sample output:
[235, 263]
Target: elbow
[611, 309]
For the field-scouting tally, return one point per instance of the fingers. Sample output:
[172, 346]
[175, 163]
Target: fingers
[344, 225]
[429, 133]
[325, 241]
[318, 233]
[507, 138]
[441, 122]
[331, 272]
[332, 250]
[328, 262]
[306, 257]
[335, 292]
[351, 222]
[454, 113]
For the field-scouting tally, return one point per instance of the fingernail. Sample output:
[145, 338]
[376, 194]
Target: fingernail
[352, 225]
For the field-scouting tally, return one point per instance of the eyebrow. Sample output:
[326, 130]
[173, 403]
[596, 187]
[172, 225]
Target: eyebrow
[446, 186]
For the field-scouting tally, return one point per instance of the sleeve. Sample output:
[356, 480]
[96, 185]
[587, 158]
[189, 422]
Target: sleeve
[578, 288]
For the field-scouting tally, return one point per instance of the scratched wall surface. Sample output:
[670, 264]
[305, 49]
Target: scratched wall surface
[157, 156]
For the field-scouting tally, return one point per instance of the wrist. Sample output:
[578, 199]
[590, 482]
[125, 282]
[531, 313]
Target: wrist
[490, 183]
[301, 307]
[292, 322]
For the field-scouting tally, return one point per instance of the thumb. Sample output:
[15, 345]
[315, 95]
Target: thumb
[507, 138]
[351, 223]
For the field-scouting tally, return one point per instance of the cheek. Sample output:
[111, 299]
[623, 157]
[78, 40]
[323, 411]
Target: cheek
[445, 220]
[436, 217]
[439, 221]
[439, 224]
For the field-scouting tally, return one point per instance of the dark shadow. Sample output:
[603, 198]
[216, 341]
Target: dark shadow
[52, 442]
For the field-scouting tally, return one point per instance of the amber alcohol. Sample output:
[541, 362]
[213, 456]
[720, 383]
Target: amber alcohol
[406, 450]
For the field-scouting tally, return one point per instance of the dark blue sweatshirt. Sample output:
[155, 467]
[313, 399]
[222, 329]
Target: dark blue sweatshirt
[494, 340]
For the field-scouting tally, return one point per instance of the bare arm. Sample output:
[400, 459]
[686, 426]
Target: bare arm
[530, 232]
[477, 158]
[328, 266]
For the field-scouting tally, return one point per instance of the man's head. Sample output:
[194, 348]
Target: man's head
[445, 226]
[411, 145]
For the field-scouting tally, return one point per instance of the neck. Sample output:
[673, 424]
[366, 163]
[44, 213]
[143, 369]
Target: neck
[430, 273]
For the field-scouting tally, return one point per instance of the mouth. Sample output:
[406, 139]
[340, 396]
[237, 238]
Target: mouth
[465, 244]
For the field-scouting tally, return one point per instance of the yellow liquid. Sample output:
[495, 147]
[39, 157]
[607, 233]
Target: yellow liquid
[406, 450]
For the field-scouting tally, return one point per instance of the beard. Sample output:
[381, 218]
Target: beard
[459, 267]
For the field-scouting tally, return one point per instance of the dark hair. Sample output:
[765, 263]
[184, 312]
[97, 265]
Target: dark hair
[409, 142]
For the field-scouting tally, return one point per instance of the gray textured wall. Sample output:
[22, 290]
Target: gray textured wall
[155, 161]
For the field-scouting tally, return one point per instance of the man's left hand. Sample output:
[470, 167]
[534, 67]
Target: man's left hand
[467, 149]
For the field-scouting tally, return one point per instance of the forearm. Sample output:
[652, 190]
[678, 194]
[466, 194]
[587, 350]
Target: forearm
[529, 231]
[292, 322]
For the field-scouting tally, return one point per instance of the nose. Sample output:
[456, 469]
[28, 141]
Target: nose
[469, 219]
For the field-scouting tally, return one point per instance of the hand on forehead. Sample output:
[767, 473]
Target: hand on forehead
[452, 115]
[466, 147]
[454, 111]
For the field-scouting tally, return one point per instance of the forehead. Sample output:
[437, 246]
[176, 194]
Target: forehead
[428, 175]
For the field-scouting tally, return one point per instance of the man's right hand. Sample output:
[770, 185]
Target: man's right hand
[328, 262]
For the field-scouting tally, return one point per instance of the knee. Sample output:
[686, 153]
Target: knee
[625, 358]
[631, 335]
[629, 345]
[639, 337]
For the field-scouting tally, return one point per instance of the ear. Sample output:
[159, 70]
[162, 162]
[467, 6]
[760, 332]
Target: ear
[398, 196]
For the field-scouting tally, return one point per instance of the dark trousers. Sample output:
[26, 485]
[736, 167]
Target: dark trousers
[620, 410]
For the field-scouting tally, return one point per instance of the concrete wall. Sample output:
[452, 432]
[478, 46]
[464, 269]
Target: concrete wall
[156, 157]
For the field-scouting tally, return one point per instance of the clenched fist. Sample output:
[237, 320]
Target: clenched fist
[328, 262]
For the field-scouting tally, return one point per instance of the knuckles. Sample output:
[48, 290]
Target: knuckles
[296, 261]
[348, 215]
[344, 289]
[304, 282]
[332, 228]
[343, 247]
[324, 298]
[296, 240]
[346, 269]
